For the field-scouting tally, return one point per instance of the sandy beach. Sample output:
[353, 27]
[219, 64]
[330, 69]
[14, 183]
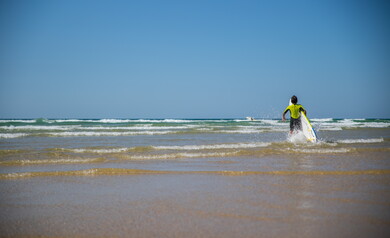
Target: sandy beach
[197, 205]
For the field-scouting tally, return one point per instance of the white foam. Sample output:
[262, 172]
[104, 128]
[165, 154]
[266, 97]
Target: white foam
[18, 175]
[326, 128]
[95, 128]
[99, 151]
[114, 121]
[176, 121]
[353, 123]
[96, 121]
[271, 122]
[13, 135]
[375, 124]
[322, 151]
[239, 131]
[89, 172]
[297, 137]
[358, 141]
[91, 133]
[110, 120]
[247, 127]
[329, 124]
[163, 121]
[72, 120]
[182, 156]
[140, 128]
[108, 128]
[21, 121]
[212, 147]
[204, 129]
[46, 128]
[321, 119]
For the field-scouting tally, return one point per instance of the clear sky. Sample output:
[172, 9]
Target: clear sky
[193, 59]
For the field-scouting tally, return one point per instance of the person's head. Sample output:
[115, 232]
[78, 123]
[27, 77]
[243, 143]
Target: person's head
[294, 99]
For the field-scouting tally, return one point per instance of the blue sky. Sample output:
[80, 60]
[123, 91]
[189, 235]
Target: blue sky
[193, 59]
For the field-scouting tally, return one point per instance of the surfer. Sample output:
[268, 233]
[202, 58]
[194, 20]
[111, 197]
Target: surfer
[295, 109]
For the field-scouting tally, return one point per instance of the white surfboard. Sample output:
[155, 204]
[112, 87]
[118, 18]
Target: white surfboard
[307, 129]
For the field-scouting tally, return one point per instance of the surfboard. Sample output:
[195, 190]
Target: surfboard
[307, 129]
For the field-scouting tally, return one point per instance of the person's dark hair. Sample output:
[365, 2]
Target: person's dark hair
[294, 99]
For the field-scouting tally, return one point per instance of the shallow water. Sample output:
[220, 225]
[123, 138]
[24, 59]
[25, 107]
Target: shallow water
[193, 178]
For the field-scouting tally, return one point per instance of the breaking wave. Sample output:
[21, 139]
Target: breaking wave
[10, 129]
[361, 141]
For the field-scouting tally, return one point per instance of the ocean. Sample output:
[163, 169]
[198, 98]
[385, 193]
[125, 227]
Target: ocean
[194, 178]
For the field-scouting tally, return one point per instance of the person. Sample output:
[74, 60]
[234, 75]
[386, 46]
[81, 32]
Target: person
[295, 109]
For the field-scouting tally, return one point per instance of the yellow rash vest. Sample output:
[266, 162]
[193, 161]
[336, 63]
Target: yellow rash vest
[295, 109]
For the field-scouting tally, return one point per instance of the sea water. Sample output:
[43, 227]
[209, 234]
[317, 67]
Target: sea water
[210, 177]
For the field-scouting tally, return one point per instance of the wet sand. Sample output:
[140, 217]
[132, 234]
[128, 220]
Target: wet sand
[197, 205]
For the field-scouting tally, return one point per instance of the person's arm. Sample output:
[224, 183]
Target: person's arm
[284, 114]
